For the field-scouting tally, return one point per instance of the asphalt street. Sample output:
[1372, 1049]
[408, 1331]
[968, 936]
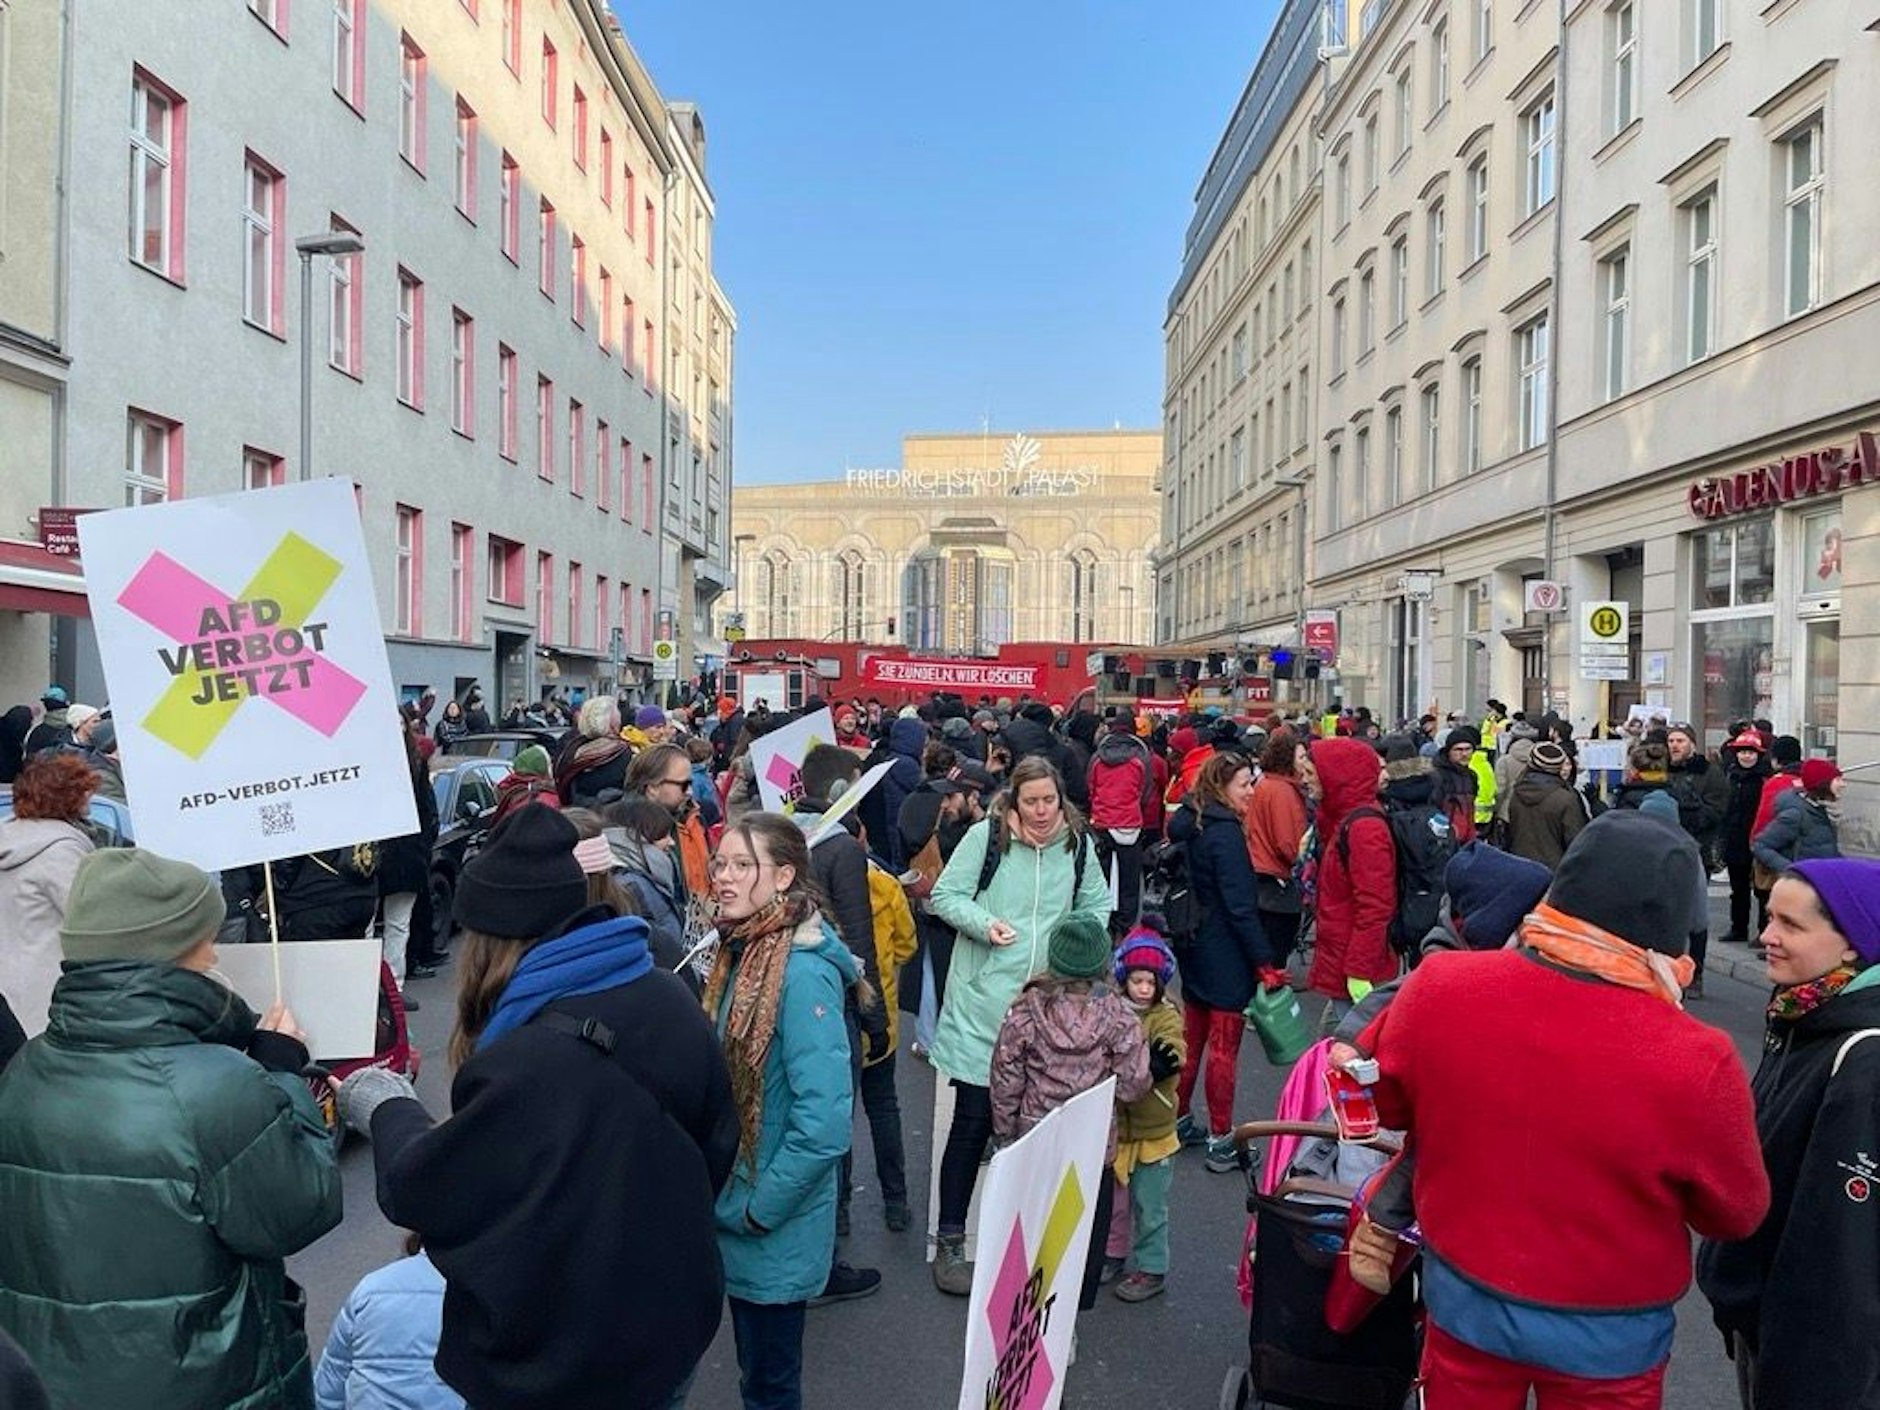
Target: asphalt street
[902, 1346]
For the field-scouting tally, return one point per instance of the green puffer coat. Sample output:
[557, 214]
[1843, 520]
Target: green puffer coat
[153, 1178]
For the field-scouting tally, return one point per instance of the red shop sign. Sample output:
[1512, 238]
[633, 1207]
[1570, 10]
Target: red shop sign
[914, 673]
[1816, 472]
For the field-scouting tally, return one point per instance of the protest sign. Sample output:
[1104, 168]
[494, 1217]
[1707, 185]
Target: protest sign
[846, 804]
[1602, 756]
[246, 667]
[332, 986]
[1038, 1203]
[777, 759]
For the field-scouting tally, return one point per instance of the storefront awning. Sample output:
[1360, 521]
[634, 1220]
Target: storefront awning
[32, 580]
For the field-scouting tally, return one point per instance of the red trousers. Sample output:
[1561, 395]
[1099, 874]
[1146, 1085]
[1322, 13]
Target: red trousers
[1458, 1377]
[1217, 1031]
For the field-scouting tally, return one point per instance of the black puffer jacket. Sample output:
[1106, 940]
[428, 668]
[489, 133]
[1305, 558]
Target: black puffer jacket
[1218, 967]
[1804, 1289]
[1746, 786]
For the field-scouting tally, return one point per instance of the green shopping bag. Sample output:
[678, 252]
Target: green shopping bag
[1276, 1016]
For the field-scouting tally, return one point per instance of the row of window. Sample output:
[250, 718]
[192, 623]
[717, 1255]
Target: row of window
[1353, 491]
[1218, 588]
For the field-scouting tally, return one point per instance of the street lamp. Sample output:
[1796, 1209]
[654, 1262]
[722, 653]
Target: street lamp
[336, 243]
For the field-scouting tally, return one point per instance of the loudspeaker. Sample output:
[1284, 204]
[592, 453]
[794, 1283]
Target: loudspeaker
[1217, 663]
[1119, 680]
[1165, 670]
[1112, 665]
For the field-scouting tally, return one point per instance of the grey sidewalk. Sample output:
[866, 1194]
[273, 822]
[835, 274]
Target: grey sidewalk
[1733, 961]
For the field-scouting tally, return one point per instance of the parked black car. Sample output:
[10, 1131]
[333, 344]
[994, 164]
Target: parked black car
[465, 786]
[504, 743]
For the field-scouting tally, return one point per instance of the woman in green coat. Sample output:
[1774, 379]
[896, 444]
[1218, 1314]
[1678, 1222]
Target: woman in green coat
[776, 995]
[1040, 859]
[160, 1156]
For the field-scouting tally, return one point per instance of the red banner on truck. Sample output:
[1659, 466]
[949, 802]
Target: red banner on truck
[915, 673]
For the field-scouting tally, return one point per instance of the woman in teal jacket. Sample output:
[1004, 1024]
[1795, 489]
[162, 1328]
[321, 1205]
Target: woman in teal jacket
[776, 993]
[1041, 873]
[160, 1156]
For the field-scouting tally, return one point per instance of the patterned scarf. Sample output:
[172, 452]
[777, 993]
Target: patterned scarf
[1582, 946]
[758, 948]
[1798, 999]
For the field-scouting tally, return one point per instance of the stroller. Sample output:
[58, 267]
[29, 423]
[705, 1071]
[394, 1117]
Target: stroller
[1301, 1208]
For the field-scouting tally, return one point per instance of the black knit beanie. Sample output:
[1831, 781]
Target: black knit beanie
[1628, 873]
[1785, 751]
[526, 881]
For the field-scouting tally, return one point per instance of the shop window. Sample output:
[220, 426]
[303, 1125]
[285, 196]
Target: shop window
[1735, 676]
[1734, 565]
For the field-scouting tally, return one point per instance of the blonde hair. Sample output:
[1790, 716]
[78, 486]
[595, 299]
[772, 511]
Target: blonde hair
[600, 717]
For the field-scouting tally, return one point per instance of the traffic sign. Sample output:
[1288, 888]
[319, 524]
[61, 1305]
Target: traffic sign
[734, 626]
[1605, 621]
[665, 661]
[1543, 595]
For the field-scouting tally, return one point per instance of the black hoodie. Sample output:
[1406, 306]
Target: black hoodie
[1804, 1289]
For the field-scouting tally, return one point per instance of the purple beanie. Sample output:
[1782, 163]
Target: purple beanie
[1849, 888]
[649, 717]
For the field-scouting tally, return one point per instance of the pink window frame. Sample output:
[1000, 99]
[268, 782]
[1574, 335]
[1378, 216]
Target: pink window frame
[277, 220]
[511, 585]
[277, 465]
[606, 160]
[577, 449]
[468, 430]
[629, 322]
[355, 367]
[646, 620]
[578, 110]
[603, 465]
[577, 280]
[463, 542]
[576, 602]
[279, 28]
[628, 198]
[545, 236]
[470, 9]
[512, 54]
[602, 606]
[416, 402]
[544, 595]
[408, 47]
[649, 506]
[416, 626]
[356, 100]
[551, 82]
[649, 371]
[626, 483]
[651, 253]
[467, 208]
[507, 377]
[175, 267]
[606, 329]
[511, 235]
[545, 426]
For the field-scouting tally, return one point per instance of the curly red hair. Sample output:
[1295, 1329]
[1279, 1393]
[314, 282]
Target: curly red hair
[54, 786]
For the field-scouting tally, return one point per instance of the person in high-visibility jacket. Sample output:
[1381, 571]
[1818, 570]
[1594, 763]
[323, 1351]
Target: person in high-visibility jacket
[1484, 769]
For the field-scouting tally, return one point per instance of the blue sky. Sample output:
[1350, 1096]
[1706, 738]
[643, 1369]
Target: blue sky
[930, 214]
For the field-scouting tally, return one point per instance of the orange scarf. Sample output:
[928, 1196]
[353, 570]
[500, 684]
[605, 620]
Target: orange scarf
[1579, 945]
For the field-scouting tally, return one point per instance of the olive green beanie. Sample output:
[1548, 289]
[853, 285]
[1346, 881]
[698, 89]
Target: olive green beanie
[1080, 949]
[131, 904]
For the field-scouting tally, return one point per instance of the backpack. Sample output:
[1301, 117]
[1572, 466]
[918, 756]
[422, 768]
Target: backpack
[994, 855]
[1424, 842]
[1166, 864]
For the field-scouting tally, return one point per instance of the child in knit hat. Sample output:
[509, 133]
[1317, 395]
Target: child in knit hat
[1067, 1031]
[531, 780]
[1146, 1140]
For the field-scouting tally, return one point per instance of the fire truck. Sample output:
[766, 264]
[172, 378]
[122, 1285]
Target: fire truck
[786, 671]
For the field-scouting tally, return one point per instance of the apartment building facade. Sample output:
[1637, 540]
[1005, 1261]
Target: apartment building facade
[490, 370]
[1240, 389]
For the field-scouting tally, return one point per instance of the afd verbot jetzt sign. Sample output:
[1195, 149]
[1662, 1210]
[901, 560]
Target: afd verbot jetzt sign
[247, 675]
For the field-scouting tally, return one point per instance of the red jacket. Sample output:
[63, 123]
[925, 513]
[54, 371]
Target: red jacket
[1121, 782]
[1356, 900]
[1568, 1130]
[1276, 824]
[1773, 788]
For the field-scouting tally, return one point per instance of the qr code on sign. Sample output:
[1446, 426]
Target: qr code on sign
[277, 819]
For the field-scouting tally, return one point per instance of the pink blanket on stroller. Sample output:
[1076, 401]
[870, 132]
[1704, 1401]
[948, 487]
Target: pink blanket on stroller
[1301, 1099]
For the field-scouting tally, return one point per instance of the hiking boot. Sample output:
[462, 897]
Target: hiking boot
[1112, 1270]
[846, 1284]
[897, 1216]
[1373, 1253]
[1222, 1157]
[1140, 1287]
[1191, 1132]
[952, 1274]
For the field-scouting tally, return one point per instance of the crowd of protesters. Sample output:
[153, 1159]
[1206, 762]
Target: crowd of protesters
[673, 1006]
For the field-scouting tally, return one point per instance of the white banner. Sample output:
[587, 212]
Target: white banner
[847, 803]
[777, 758]
[1036, 1207]
[331, 986]
[247, 674]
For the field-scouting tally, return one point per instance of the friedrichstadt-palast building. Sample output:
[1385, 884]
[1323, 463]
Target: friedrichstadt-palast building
[1572, 311]
[974, 540]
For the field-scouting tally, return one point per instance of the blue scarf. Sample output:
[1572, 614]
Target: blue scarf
[604, 955]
